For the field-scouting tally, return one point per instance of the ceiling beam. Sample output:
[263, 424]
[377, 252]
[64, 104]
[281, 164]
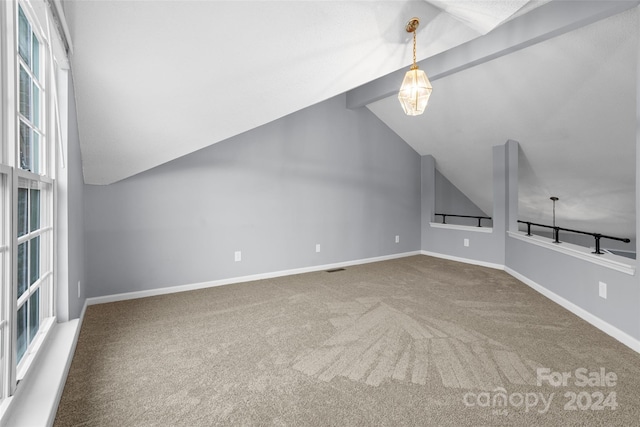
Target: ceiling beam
[543, 23]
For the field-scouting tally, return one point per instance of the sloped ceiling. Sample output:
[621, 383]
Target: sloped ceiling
[571, 104]
[159, 79]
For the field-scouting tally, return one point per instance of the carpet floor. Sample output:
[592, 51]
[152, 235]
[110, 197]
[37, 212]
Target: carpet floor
[412, 341]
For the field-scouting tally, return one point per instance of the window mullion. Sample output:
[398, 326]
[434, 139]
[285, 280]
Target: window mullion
[31, 176]
[35, 233]
[26, 121]
[33, 288]
[29, 71]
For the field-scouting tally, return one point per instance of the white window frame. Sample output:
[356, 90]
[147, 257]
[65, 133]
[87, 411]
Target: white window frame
[44, 283]
[13, 177]
[6, 307]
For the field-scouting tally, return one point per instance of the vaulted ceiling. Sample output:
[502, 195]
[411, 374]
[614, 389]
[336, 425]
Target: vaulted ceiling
[569, 101]
[158, 79]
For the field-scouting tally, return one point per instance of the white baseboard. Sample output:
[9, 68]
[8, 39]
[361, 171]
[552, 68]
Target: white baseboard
[241, 279]
[465, 260]
[605, 327]
[609, 329]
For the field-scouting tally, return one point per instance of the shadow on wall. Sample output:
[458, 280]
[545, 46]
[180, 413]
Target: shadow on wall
[451, 201]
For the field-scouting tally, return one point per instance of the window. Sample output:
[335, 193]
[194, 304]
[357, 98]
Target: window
[33, 190]
[31, 92]
[34, 272]
[26, 189]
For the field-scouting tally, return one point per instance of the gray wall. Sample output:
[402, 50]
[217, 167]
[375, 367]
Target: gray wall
[70, 211]
[577, 281]
[484, 247]
[573, 279]
[75, 211]
[450, 200]
[324, 175]
[428, 201]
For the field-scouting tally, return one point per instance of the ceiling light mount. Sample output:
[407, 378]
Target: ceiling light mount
[412, 25]
[416, 89]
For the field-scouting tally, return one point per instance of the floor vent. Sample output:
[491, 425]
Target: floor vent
[334, 270]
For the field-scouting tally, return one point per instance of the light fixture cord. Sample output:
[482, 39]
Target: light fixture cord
[414, 66]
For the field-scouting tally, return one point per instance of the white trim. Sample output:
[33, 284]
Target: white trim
[464, 260]
[578, 252]
[33, 234]
[462, 227]
[232, 280]
[33, 348]
[31, 289]
[605, 327]
[63, 23]
[31, 176]
[45, 382]
[67, 367]
[84, 309]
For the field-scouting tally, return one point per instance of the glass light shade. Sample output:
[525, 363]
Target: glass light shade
[414, 92]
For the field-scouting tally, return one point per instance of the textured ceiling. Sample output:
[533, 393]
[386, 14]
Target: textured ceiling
[156, 80]
[571, 104]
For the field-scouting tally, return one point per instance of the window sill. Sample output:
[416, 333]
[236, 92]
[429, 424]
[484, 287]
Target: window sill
[32, 353]
[614, 262]
[462, 227]
[44, 382]
[22, 370]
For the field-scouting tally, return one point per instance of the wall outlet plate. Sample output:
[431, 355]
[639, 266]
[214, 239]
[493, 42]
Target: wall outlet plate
[397, 239]
[317, 247]
[602, 290]
[466, 242]
[238, 256]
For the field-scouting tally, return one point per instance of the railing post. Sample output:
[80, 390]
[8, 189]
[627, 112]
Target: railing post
[444, 219]
[556, 234]
[597, 251]
[479, 222]
[528, 229]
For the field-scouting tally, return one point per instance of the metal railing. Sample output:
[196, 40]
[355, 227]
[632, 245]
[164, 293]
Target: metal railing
[479, 218]
[556, 234]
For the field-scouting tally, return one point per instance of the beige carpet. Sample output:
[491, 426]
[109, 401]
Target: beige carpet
[413, 341]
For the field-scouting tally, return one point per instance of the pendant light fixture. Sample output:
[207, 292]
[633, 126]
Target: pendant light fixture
[416, 88]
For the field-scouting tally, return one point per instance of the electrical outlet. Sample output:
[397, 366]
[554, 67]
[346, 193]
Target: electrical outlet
[317, 247]
[238, 256]
[397, 239]
[602, 290]
[79, 288]
[466, 242]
